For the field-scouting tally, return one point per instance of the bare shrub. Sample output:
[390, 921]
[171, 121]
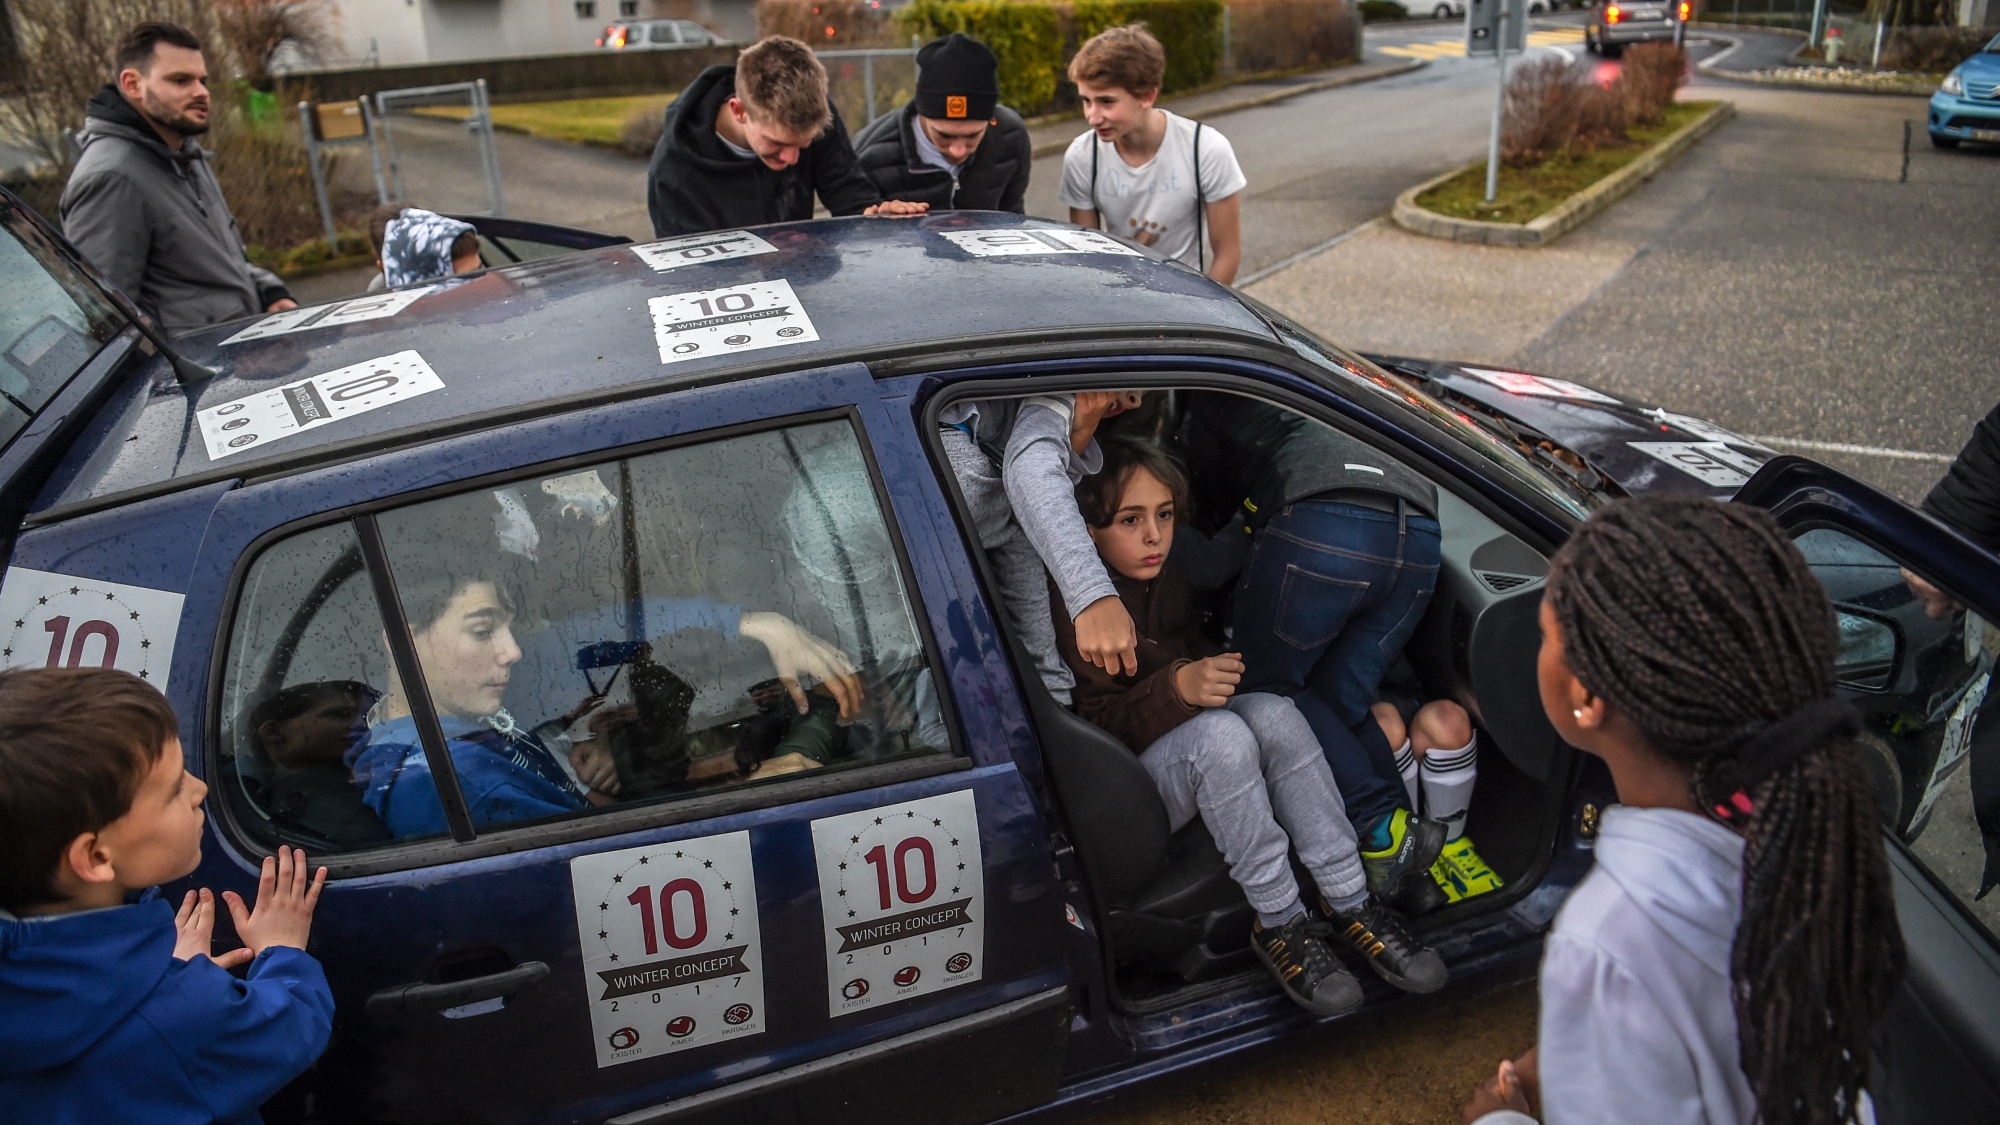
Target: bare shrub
[256, 32]
[1646, 82]
[1932, 50]
[829, 24]
[1544, 110]
[643, 126]
[1268, 35]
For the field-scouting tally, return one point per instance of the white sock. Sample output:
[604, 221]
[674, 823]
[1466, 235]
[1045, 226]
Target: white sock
[1447, 781]
[1406, 764]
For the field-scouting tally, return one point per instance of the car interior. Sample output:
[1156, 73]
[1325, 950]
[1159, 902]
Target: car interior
[1177, 925]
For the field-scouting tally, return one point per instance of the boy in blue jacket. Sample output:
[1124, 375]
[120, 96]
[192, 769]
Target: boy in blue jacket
[116, 1012]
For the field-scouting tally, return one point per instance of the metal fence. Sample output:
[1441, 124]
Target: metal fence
[865, 83]
[437, 148]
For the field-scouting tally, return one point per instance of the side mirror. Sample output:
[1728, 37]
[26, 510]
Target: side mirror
[1871, 650]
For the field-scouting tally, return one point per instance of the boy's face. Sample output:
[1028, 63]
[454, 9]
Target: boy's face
[1141, 532]
[158, 839]
[956, 141]
[776, 146]
[1114, 111]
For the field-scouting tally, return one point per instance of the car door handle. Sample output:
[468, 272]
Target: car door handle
[405, 999]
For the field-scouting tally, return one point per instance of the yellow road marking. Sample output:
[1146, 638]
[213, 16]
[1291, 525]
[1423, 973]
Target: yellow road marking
[1440, 48]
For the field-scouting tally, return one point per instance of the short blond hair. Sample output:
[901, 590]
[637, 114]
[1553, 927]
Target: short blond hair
[1128, 57]
[781, 83]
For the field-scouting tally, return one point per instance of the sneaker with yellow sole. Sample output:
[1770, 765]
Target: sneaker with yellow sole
[1461, 873]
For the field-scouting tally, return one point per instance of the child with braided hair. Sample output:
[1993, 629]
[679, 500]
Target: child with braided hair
[1728, 958]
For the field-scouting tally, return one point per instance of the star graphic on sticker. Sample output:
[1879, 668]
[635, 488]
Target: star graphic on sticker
[843, 866]
[110, 597]
[910, 815]
[41, 601]
[614, 957]
[18, 624]
[603, 934]
[145, 644]
[726, 885]
[936, 823]
[72, 589]
[135, 615]
[680, 855]
[850, 914]
[843, 893]
[618, 878]
[733, 911]
[708, 863]
[961, 867]
[954, 843]
[6, 652]
[878, 820]
[143, 675]
[604, 906]
[642, 859]
[854, 839]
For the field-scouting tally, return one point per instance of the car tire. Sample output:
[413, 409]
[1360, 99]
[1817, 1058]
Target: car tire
[1537, 8]
[1939, 140]
[1611, 50]
[1441, 12]
[1590, 42]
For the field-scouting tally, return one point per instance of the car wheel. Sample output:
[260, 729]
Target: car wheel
[1611, 50]
[1939, 140]
[1536, 8]
[1589, 41]
[1441, 12]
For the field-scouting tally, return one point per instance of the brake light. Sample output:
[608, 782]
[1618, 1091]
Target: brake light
[1612, 14]
[1687, 10]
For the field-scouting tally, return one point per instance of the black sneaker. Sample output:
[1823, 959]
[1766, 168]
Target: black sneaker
[1309, 972]
[1401, 873]
[1376, 932]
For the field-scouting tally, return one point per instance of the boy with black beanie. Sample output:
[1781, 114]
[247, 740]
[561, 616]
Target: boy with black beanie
[954, 146]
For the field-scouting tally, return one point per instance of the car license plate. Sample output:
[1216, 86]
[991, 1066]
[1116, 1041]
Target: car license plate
[1985, 134]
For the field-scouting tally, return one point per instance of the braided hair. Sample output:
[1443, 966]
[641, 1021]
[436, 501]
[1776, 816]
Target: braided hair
[1702, 623]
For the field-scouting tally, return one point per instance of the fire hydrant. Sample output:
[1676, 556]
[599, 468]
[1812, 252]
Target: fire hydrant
[1832, 45]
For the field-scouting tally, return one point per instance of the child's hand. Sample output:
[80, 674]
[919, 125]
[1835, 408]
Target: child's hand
[194, 927]
[1505, 1090]
[594, 767]
[285, 903]
[1210, 682]
[1106, 637]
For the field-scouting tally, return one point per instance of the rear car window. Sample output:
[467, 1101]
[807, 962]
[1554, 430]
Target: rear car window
[52, 320]
[618, 633]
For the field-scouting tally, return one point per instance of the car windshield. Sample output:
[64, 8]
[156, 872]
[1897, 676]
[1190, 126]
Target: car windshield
[52, 319]
[1480, 440]
[1993, 48]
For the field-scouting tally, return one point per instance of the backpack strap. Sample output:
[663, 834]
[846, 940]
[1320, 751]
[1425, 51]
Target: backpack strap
[1200, 207]
[1095, 209]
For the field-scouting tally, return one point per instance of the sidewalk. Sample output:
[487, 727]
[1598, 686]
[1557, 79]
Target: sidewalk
[1052, 137]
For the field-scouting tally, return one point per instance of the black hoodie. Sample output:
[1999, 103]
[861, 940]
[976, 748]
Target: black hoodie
[696, 183]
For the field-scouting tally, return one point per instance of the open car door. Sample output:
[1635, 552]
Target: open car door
[1920, 678]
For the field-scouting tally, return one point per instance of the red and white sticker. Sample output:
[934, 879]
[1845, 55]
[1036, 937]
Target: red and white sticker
[246, 423]
[903, 898]
[1712, 462]
[372, 307]
[54, 620]
[672, 957]
[699, 249]
[1537, 386]
[1015, 243]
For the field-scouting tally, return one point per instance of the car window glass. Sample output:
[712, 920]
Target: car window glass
[1918, 665]
[52, 320]
[660, 33]
[623, 632]
[307, 665]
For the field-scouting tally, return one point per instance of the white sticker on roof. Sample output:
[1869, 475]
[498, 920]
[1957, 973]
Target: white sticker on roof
[50, 620]
[1712, 462]
[1010, 243]
[740, 318]
[1706, 431]
[1539, 386]
[247, 423]
[372, 307]
[672, 955]
[694, 249]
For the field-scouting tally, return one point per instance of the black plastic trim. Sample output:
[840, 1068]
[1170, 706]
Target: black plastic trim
[410, 999]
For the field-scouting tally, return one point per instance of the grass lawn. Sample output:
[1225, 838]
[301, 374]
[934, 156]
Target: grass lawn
[589, 121]
[1528, 193]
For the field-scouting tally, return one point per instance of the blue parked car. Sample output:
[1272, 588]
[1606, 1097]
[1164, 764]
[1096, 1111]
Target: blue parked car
[597, 509]
[1967, 104]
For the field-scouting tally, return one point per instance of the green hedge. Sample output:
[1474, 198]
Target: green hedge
[1034, 39]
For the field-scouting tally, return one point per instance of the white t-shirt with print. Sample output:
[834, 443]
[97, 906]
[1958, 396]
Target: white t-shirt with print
[1154, 203]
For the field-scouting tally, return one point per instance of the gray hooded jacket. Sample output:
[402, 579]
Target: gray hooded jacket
[154, 222]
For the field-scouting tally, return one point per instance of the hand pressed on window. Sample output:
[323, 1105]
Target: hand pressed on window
[285, 902]
[795, 653]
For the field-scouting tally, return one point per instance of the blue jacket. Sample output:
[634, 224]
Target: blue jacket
[99, 1023]
[503, 778]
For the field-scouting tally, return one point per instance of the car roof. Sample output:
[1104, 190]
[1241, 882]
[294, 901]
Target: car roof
[565, 331]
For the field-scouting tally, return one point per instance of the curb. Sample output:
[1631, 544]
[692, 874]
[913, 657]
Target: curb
[1051, 148]
[1573, 213]
[1911, 91]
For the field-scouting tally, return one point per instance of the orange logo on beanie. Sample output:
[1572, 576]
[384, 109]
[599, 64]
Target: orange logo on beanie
[954, 105]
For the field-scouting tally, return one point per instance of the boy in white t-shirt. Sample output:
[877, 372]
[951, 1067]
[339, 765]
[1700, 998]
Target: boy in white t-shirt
[1135, 169]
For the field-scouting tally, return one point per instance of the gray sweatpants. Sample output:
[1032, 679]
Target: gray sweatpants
[1253, 772]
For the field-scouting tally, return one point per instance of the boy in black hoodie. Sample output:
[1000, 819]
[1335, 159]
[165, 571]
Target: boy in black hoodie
[117, 1012]
[749, 144]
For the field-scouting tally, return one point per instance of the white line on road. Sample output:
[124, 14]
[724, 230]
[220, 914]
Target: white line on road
[1861, 450]
[1302, 255]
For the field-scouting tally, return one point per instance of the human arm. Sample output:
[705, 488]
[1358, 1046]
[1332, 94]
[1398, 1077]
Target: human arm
[898, 207]
[1209, 682]
[836, 172]
[1510, 1097]
[1036, 471]
[194, 929]
[1077, 192]
[1968, 498]
[272, 292]
[1135, 711]
[1937, 604]
[795, 652]
[285, 902]
[106, 217]
[1225, 237]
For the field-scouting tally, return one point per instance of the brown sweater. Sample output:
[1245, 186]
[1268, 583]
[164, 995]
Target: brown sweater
[1137, 710]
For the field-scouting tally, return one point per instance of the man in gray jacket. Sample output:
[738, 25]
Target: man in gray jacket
[143, 205]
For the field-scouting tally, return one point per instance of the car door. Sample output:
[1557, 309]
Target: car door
[777, 916]
[1920, 679]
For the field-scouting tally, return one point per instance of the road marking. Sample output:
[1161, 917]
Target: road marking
[1440, 48]
[1859, 450]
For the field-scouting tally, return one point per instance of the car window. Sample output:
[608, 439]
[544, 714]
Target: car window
[307, 665]
[660, 33]
[53, 320]
[648, 629]
[1920, 675]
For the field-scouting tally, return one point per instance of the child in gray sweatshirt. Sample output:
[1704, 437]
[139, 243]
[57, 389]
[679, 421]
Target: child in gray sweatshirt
[1017, 462]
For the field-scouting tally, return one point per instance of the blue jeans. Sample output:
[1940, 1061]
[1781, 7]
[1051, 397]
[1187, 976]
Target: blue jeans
[1329, 596]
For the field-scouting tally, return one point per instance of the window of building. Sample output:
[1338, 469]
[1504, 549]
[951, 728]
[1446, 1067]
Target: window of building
[586, 9]
[628, 7]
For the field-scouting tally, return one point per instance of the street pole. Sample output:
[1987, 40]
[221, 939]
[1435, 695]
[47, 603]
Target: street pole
[1818, 22]
[1499, 104]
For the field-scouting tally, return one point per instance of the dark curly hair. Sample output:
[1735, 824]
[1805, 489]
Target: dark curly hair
[1702, 623]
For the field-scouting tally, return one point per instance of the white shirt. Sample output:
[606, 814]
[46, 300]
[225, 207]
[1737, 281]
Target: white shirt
[1153, 204]
[929, 154]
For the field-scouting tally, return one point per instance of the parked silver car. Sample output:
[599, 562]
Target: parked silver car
[656, 35]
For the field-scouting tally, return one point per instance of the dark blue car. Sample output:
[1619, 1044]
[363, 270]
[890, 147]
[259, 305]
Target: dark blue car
[492, 595]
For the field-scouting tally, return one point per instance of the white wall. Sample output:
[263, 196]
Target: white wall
[418, 31]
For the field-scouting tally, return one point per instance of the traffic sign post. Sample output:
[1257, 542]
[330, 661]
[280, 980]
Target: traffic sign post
[1496, 27]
